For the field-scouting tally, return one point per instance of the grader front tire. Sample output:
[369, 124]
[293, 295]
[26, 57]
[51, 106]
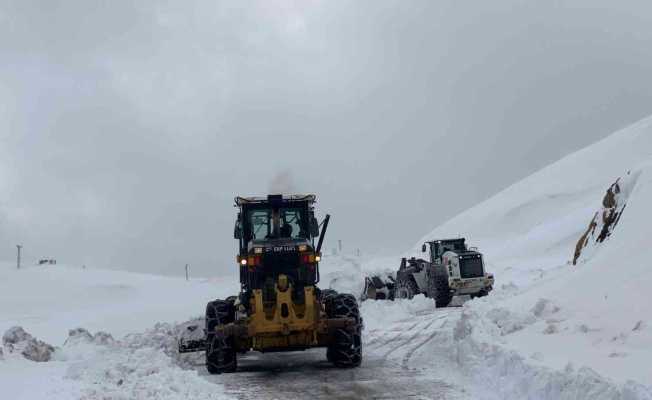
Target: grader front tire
[345, 350]
[220, 349]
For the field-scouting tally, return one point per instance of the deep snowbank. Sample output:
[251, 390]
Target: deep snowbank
[51, 301]
[133, 368]
[603, 305]
[544, 215]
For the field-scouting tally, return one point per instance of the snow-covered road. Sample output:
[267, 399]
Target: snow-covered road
[388, 370]
[400, 345]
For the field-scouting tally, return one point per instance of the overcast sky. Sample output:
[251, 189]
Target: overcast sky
[126, 128]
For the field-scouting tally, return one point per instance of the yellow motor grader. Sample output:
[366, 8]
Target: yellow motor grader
[279, 307]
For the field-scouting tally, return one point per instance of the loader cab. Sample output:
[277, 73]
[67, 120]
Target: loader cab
[439, 247]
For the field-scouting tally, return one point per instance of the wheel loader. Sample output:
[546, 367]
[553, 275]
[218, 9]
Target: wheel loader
[453, 269]
[279, 307]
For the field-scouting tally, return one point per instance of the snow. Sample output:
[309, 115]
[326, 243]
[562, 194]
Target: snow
[602, 307]
[58, 303]
[549, 330]
[49, 300]
[120, 372]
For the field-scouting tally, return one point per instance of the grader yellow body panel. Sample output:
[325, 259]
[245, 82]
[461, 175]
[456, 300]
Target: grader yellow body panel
[284, 323]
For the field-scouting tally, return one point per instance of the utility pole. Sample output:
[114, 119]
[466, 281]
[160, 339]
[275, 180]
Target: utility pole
[18, 246]
[187, 276]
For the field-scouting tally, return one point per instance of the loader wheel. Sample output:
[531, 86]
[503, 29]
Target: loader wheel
[345, 350]
[406, 289]
[441, 290]
[220, 349]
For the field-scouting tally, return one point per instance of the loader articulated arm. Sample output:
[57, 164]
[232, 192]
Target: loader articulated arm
[323, 233]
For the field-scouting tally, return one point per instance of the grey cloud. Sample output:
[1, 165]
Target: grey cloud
[126, 129]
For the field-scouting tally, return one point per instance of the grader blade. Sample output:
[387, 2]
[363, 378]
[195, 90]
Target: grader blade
[192, 340]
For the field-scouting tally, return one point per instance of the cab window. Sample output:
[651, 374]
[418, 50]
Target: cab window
[292, 224]
[261, 224]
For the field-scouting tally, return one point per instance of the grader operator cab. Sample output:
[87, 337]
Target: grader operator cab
[279, 307]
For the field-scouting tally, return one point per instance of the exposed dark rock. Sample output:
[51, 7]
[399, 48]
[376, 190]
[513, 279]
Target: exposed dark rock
[16, 339]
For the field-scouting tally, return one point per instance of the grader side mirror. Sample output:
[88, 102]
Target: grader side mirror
[423, 248]
[314, 227]
[237, 230]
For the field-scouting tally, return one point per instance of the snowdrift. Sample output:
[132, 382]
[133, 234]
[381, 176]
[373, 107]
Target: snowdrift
[49, 300]
[56, 303]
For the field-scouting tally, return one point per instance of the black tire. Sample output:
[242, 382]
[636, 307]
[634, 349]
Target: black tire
[220, 349]
[438, 286]
[406, 289]
[327, 294]
[345, 350]
[392, 292]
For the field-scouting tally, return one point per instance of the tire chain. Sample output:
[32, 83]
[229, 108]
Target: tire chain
[220, 352]
[346, 350]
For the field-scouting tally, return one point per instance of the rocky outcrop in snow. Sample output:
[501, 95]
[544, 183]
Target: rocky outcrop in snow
[606, 218]
[17, 340]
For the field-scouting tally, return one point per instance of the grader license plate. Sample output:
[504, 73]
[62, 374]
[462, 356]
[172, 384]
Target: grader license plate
[277, 249]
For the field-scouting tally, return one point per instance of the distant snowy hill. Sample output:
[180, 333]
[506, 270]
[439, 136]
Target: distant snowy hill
[543, 215]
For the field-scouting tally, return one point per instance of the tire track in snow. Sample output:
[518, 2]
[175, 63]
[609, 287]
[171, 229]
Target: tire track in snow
[437, 332]
[404, 342]
[301, 375]
[406, 359]
[419, 332]
[373, 342]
